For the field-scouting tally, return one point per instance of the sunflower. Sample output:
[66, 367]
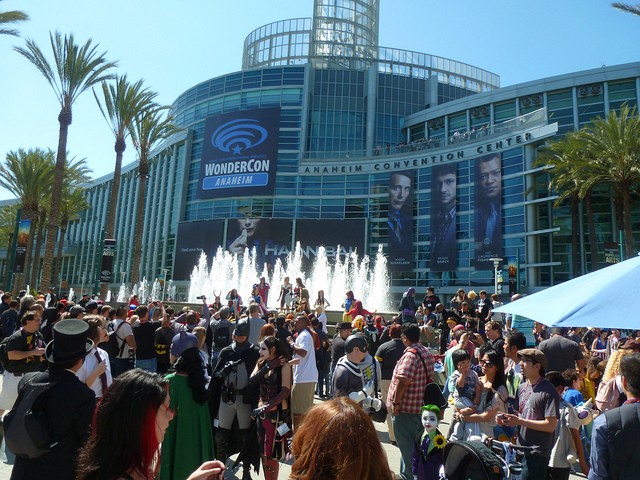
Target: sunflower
[439, 441]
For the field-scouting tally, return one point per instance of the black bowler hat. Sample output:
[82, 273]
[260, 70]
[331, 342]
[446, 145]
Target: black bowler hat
[70, 342]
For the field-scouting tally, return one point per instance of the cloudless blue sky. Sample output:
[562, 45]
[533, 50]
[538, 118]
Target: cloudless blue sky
[176, 45]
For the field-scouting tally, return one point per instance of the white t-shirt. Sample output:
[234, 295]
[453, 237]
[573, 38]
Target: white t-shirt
[90, 362]
[306, 371]
[322, 318]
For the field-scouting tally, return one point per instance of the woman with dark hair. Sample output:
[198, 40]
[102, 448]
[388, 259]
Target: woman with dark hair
[235, 302]
[96, 369]
[273, 373]
[128, 427]
[493, 398]
[189, 438]
[321, 301]
[347, 305]
[337, 441]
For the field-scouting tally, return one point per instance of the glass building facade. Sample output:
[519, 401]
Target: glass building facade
[346, 102]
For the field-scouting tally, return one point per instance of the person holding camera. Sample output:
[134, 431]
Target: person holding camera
[231, 396]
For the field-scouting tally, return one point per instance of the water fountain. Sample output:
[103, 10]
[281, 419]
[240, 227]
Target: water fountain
[108, 299]
[143, 288]
[171, 290]
[156, 291]
[122, 294]
[71, 294]
[369, 282]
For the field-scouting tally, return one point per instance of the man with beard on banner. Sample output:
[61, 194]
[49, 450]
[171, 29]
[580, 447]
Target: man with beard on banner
[488, 209]
[399, 220]
[444, 181]
[232, 399]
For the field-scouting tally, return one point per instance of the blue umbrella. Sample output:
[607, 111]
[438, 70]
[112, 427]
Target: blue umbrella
[590, 300]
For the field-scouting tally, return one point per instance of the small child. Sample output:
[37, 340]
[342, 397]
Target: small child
[572, 384]
[466, 394]
[567, 448]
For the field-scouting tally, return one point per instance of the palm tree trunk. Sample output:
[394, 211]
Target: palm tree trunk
[35, 267]
[5, 283]
[54, 210]
[575, 239]
[63, 231]
[626, 209]
[137, 252]
[113, 202]
[593, 241]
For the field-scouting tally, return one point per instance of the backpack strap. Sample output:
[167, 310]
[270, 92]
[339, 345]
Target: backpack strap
[424, 364]
[124, 341]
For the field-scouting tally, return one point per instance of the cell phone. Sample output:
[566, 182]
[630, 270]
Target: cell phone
[502, 416]
[200, 297]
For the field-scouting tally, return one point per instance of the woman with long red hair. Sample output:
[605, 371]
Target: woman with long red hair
[128, 428]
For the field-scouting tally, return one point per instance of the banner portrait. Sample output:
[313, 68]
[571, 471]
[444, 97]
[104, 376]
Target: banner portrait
[270, 237]
[444, 181]
[400, 220]
[488, 210]
[21, 246]
[239, 154]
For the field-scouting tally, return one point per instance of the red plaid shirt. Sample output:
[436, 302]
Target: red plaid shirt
[410, 366]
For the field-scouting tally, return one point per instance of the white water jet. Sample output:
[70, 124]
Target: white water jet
[108, 299]
[122, 294]
[71, 295]
[156, 291]
[368, 280]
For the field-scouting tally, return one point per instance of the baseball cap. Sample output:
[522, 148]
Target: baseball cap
[533, 354]
[91, 305]
[344, 326]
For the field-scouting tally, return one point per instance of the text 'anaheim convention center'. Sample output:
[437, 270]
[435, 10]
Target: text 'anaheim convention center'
[326, 138]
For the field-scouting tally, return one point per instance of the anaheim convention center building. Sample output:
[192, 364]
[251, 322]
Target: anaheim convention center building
[326, 138]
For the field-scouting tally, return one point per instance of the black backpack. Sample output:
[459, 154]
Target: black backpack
[27, 429]
[221, 336]
[113, 346]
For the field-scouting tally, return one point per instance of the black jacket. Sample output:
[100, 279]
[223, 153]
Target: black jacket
[70, 410]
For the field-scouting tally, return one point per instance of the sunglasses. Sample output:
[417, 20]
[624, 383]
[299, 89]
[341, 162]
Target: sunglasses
[487, 364]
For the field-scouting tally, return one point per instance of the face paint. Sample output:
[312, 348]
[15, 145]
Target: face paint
[264, 351]
[429, 420]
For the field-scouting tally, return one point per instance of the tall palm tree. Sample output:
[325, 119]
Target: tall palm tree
[614, 141]
[8, 18]
[122, 102]
[72, 203]
[8, 215]
[625, 7]
[148, 128]
[26, 175]
[76, 69]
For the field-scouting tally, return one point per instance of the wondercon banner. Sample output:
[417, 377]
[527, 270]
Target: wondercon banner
[444, 180]
[488, 210]
[108, 251]
[270, 237]
[194, 238]
[312, 234]
[239, 154]
[400, 220]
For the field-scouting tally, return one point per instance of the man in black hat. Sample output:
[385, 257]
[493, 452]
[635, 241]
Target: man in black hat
[231, 397]
[69, 407]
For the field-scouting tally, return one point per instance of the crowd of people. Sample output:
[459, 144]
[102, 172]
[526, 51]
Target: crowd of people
[144, 391]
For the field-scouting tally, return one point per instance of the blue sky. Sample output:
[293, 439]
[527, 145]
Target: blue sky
[176, 45]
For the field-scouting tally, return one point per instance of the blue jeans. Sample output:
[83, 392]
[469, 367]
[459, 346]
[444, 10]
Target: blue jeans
[150, 365]
[118, 366]
[406, 427]
[534, 467]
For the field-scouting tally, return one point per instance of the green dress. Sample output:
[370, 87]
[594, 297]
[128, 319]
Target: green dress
[188, 442]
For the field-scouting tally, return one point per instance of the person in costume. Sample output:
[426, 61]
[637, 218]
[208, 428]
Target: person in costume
[188, 441]
[428, 447]
[273, 374]
[232, 399]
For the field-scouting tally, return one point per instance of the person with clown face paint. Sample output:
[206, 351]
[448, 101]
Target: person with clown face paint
[428, 447]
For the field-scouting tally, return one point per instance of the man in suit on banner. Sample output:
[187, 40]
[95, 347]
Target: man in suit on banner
[488, 209]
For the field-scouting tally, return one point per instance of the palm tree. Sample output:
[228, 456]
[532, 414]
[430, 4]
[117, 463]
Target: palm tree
[122, 102]
[625, 7]
[72, 203]
[614, 141]
[77, 68]
[148, 128]
[8, 215]
[7, 18]
[26, 175]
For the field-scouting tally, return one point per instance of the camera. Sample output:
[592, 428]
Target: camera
[200, 297]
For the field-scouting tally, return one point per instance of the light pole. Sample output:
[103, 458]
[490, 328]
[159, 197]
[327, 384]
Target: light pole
[122, 274]
[496, 263]
[82, 287]
[164, 283]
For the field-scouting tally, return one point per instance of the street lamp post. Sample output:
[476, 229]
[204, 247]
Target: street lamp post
[496, 263]
[82, 288]
[164, 283]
